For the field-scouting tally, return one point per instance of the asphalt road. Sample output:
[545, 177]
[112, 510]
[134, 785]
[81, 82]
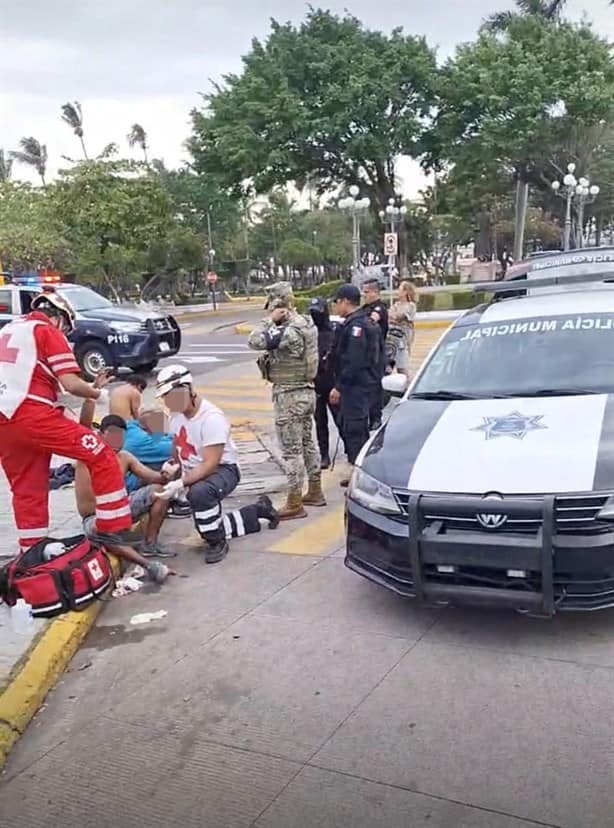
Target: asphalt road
[211, 344]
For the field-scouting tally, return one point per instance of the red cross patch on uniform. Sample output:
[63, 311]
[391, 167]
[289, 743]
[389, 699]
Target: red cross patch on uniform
[356, 330]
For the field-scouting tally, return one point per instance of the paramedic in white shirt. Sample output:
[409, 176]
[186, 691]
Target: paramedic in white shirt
[209, 465]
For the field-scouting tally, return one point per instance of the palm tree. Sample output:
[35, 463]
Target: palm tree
[73, 116]
[5, 167]
[34, 154]
[543, 9]
[138, 137]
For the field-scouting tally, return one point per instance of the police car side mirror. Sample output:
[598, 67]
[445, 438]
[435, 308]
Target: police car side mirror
[395, 384]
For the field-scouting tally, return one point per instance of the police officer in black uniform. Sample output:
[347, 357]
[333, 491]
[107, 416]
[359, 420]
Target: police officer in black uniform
[325, 378]
[357, 370]
[378, 311]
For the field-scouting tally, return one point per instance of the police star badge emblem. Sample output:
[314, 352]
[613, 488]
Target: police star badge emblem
[515, 425]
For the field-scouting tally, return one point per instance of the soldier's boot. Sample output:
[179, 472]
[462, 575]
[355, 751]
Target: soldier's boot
[315, 495]
[293, 510]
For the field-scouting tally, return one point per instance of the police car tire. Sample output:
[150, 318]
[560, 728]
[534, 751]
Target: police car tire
[92, 346]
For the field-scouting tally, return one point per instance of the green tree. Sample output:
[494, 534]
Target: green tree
[328, 100]
[550, 10]
[73, 116]
[498, 94]
[30, 234]
[137, 137]
[111, 212]
[33, 154]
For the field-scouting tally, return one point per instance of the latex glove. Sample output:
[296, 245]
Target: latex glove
[170, 469]
[171, 490]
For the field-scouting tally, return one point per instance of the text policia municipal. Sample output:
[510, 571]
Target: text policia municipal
[578, 323]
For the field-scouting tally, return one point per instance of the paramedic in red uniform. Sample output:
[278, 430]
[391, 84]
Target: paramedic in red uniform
[36, 361]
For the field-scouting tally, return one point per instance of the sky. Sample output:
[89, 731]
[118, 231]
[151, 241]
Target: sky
[146, 61]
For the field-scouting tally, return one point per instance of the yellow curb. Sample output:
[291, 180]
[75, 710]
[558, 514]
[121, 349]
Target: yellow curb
[45, 662]
[420, 325]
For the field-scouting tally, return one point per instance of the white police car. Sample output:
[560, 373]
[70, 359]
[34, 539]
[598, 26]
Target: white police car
[105, 335]
[492, 482]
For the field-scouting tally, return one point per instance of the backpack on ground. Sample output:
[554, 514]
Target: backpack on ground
[70, 581]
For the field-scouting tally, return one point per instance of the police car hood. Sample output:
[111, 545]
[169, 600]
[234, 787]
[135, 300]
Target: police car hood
[119, 314]
[511, 446]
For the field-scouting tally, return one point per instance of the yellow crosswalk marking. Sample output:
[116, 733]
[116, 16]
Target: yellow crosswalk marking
[316, 537]
[249, 419]
[242, 405]
[235, 391]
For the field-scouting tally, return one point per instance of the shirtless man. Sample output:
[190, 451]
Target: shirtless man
[126, 398]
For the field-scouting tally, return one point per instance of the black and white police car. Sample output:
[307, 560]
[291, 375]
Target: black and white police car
[492, 482]
[106, 335]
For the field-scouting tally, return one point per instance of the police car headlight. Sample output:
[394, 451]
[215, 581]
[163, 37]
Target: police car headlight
[372, 494]
[125, 327]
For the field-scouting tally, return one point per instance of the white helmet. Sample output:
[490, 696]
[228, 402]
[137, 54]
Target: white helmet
[54, 304]
[172, 376]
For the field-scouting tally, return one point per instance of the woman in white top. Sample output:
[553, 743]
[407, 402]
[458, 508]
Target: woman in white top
[402, 316]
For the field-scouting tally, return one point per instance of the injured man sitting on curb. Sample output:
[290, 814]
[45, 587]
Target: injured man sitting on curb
[142, 501]
[209, 465]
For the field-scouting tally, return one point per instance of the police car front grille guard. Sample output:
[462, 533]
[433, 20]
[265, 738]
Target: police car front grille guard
[572, 512]
[535, 553]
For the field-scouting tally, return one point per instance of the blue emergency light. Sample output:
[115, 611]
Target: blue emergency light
[36, 280]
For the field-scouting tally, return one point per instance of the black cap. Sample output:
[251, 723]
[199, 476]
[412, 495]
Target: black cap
[373, 281]
[349, 292]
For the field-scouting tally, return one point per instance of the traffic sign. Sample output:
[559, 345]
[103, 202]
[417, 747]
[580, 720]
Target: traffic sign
[212, 277]
[391, 244]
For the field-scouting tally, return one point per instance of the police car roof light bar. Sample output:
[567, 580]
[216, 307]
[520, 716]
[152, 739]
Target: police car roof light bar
[523, 283]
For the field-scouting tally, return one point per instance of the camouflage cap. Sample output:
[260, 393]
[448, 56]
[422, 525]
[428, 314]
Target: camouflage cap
[280, 296]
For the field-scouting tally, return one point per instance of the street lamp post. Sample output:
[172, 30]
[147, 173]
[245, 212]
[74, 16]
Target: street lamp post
[356, 207]
[582, 192]
[210, 263]
[393, 217]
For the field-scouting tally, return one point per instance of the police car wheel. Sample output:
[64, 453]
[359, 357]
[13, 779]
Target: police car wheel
[93, 357]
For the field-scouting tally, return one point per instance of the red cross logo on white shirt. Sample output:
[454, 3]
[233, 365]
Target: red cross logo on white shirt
[186, 449]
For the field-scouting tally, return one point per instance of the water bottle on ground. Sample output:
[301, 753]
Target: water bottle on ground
[21, 617]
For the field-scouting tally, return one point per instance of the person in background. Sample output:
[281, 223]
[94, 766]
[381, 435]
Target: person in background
[378, 311]
[325, 378]
[209, 466]
[125, 399]
[357, 371]
[402, 317]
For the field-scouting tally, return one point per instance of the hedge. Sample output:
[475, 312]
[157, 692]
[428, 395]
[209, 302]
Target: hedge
[441, 301]
[326, 289]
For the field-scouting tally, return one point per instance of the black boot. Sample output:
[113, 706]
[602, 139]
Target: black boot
[216, 551]
[325, 462]
[267, 511]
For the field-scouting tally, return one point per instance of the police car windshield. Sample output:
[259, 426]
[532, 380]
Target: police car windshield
[539, 356]
[84, 299]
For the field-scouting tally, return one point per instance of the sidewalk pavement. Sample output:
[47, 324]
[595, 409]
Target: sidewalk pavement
[30, 665]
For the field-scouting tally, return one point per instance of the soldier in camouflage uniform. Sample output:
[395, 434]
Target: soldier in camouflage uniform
[289, 360]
